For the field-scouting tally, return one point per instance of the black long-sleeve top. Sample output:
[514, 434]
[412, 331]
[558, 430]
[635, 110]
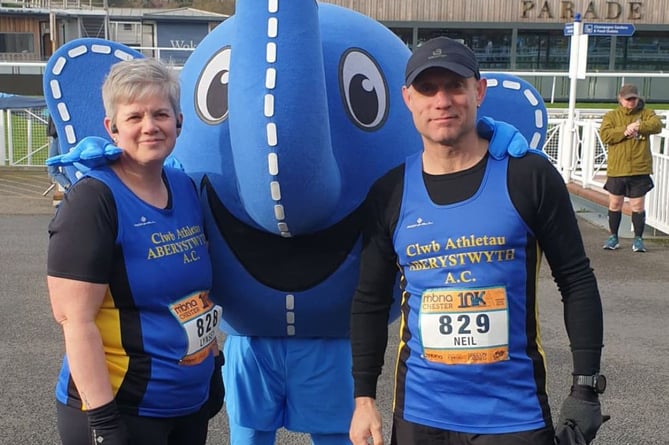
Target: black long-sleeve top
[538, 192]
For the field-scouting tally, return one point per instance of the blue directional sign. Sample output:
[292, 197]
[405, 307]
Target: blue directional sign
[569, 29]
[602, 29]
[609, 29]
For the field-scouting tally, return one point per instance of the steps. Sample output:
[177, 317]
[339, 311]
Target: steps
[592, 205]
[93, 27]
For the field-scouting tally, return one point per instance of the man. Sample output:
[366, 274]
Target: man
[467, 231]
[625, 131]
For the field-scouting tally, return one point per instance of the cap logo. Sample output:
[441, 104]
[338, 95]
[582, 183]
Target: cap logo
[436, 54]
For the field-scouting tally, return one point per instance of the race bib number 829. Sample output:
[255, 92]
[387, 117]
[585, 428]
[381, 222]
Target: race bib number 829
[464, 326]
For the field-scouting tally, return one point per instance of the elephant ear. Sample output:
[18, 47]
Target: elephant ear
[73, 89]
[515, 101]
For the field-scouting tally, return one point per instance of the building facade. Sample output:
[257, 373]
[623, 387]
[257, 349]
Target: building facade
[529, 36]
[30, 30]
[522, 36]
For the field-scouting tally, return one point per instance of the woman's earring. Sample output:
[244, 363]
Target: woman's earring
[115, 140]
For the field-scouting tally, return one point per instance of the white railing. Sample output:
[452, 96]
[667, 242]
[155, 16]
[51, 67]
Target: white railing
[581, 159]
[586, 162]
[553, 86]
[23, 139]
[56, 4]
[598, 86]
[11, 63]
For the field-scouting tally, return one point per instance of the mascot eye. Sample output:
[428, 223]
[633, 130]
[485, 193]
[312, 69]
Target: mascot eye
[364, 89]
[211, 89]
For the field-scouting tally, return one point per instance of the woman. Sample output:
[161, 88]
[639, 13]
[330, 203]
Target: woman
[128, 279]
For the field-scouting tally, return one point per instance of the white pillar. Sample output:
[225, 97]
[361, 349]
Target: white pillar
[577, 66]
[3, 146]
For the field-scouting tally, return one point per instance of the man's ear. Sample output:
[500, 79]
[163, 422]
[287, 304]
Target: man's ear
[481, 88]
[405, 96]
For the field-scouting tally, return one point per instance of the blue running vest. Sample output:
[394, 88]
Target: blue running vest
[157, 322]
[468, 357]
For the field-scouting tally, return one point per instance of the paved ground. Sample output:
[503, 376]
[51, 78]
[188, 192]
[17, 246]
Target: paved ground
[21, 191]
[633, 286]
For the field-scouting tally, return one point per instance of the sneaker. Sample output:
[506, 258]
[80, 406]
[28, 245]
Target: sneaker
[611, 243]
[637, 245]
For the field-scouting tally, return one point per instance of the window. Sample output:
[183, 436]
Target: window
[17, 42]
[406, 34]
[645, 51]
[491, 46]
[542, 50]
[599, 53]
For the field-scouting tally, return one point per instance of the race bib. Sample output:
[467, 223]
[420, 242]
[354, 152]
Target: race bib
[199, 318]
[464, 326]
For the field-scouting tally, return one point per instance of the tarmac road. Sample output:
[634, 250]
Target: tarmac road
[634, 288]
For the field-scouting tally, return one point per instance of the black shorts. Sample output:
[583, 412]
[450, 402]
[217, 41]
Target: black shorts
[408, 433]
[630, 186]
[184, 430]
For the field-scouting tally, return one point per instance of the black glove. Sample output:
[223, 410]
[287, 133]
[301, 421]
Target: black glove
[569, 434]
[581, 411]
[105, 426]
[216, 388]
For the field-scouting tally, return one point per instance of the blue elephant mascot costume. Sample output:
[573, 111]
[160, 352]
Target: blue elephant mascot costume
[291, 110]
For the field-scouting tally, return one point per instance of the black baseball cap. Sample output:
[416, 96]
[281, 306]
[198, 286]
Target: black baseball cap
[442, 52]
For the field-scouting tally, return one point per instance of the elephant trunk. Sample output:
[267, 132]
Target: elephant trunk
[287, 175]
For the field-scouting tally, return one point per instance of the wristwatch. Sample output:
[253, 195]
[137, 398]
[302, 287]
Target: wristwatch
[597, 382]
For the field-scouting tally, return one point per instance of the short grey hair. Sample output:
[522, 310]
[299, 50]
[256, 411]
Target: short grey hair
[135, 79]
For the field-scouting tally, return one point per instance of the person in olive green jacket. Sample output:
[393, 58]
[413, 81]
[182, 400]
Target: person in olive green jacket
[625, 132]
